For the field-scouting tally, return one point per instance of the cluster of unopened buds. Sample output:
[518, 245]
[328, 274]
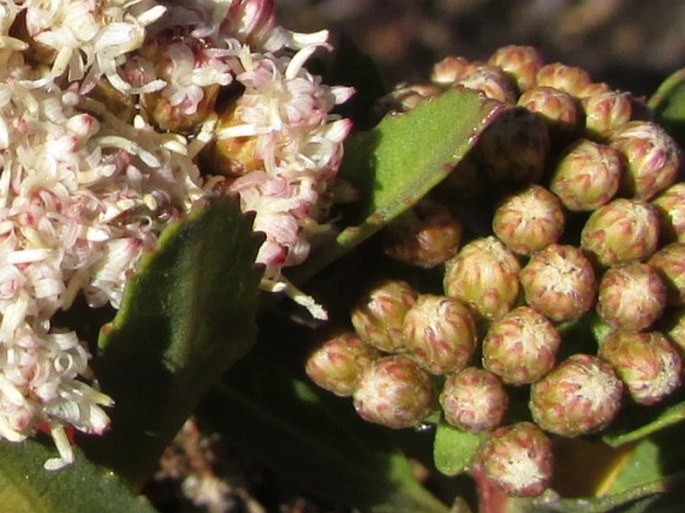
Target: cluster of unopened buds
[573, 286]
[116, 118]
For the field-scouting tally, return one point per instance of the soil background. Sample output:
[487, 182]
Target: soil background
[630, 44]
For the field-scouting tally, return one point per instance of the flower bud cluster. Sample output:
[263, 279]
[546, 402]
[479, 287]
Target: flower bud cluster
[585, 225]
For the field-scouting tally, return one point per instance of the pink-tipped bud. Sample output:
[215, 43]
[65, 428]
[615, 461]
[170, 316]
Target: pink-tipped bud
[631, 297]
[621, 231]
[378, 315]
[587, 176]
[521, 347]
[647, 363]
[529, 220]
[450, 70]
[670, 263]
[671, 207]
[559, 282]
[474, 400]
[492, 82]
[424, 236]
[522, 63]
[606, 111]
[560, 110]
[514, 148]
[394, 392]
[570, 79]
[518, 459]
[652, 158]
[337, 363]
[484, 276]
[581, 395]
[441, 333]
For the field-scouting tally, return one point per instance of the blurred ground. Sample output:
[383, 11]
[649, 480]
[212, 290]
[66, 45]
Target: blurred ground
[631, 44]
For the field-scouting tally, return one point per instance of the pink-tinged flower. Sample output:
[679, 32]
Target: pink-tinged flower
[87, 39]
[295, 148]
[79, 203]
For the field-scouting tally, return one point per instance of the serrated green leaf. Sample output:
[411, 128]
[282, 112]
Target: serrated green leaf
[395, 164]
[186, 316]
[668, 103]
[25, 487]
[453, 449]
[268, 407]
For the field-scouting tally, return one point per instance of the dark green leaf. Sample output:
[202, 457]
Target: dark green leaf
[453, 449]
[636, 500]
[399, 161]
[669, 105]
[25, 487]
[186, 316]
[668, 417]
[269, 408]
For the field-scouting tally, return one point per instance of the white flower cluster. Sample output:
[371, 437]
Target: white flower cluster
[84, 191]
